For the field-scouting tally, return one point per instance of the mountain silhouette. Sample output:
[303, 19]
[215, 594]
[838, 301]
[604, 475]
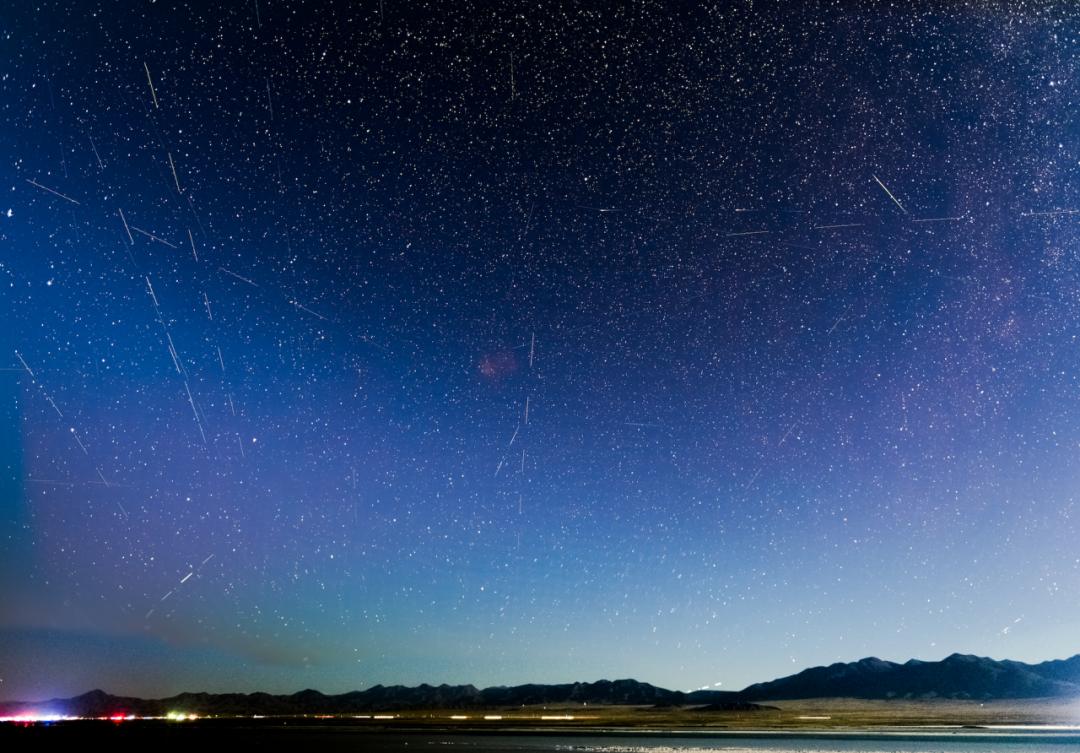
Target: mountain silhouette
[959, 676]
[381, 698]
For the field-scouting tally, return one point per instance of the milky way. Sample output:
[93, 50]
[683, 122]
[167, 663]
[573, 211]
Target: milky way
[498, 343]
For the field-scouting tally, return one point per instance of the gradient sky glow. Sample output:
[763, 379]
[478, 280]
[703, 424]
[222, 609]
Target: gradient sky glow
[793, 295]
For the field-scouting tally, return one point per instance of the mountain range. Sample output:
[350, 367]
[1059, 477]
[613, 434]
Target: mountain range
[958, 676]
[98, 703]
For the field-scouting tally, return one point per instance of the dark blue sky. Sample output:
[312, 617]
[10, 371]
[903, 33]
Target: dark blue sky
[791, 295]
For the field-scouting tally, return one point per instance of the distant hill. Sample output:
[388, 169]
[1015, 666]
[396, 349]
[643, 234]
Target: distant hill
[959, 676]
[382, 698]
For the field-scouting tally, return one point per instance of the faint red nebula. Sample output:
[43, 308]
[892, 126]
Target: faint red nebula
[498, 365]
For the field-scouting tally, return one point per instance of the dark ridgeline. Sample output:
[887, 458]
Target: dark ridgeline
[383, 698]
[958, 676]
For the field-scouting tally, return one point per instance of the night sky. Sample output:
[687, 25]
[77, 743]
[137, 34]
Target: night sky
[495, 343]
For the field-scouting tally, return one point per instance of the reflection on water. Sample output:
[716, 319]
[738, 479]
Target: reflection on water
[1043, 740]
[306, 736]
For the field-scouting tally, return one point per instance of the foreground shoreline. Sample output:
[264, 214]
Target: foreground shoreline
[826, 714]
[327, 735]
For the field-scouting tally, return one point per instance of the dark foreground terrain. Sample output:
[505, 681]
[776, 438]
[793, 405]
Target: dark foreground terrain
[303, 736]
[817, 725]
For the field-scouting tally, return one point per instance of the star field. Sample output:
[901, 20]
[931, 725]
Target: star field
[349, 343]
